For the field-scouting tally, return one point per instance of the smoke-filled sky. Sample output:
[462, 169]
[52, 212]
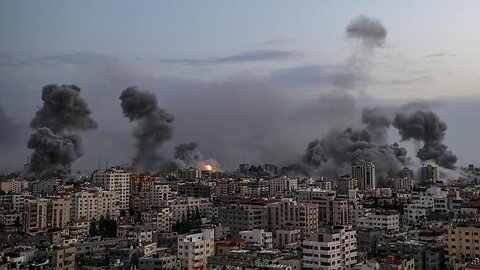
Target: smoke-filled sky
[253, 81]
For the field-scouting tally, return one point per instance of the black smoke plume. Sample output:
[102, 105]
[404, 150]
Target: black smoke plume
[53, 153]
[54, 144]
[154, 127]
[339, 149]
[426, 127]
[368, 30]
[187, 155]
[63, 109]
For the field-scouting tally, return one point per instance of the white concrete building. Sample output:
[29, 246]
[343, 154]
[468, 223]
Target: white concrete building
[386, 220]
[259, 237]
[282, 186]
[334, 249]
[161, 218]
[94, 203]
[194, 249]
[115, 180]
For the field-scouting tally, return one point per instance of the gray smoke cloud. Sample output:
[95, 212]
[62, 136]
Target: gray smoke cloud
[426, 127]
[53, 153]
[339, 148]
[54, 146]
[8, 127]
[63, 109]
[187, 155]
[369, 31]
[154, 127]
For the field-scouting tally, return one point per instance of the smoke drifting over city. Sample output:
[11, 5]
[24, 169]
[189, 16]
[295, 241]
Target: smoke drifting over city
[249, 119]
[187, 155]
[426, 127]
[154, 127]
[55, 144]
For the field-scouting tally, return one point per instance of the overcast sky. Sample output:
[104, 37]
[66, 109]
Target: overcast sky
[230, 70]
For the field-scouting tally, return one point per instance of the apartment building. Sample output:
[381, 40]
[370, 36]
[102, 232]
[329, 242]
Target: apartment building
[293, 215]
[258, 237]
[334, 249]
[182, 207]
[94, 204]
[463, 244]
[116, 180]
[384, 220]
[194, 249]
[42, 214]
[11, 186]
[162, 218]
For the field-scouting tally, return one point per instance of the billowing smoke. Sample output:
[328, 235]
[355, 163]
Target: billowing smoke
[426, 127]
[336, 151]
[187, 155]
[53, 153]
[63, 109]
[368, 30]
[154, 127]
[54, 145]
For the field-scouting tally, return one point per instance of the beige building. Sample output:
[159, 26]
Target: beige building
[463, 244]
[94, 204]
[11, 186]
[385, 220]
[332, 210]
[293, 215]
[194, 249]
[182, 207]
[115, 180]
[161, 218]
[59, 258]
[48, 186]
[346, 183]
[156, 197]
[336, 248]
[42, 214]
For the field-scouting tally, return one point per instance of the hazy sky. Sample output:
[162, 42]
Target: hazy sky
[225, 68]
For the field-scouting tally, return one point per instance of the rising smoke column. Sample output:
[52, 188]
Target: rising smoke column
[154, 127]
[338, 149]
[426, 126]
[54, 144]
[187, 155]
[369, 31]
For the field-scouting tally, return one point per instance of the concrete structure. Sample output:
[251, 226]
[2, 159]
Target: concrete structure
[194, 249]
[346, 183]
[42, 214]
[93, 204]
[429, 174]
[283, 186]
[161, 218]
[182, 207]
[336, 248]
[116, 180]
[162, 259]
[260, 238]
[11, 186]
[384, 220]
[364, 172]
[463, 244]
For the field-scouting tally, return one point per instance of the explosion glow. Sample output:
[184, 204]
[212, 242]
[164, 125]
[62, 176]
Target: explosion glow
[208, 167]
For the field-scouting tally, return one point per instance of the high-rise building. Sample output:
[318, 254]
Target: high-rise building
[336, 248]
[11, 186]
[406, 173]
[116, 180]
[429, 174]
[364, 172]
